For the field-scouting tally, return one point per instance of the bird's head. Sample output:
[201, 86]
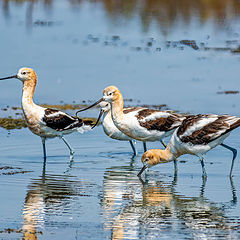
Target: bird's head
[24, 74]
[153, 157]
[105, 106]
[111, 94]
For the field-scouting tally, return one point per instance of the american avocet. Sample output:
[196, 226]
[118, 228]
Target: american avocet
[46, 122]
[109, 127]
[143, 124]
[197, 135]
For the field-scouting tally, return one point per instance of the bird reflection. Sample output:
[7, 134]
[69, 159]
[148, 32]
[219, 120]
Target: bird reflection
[132, 208]
[165, 13]
[49, 195]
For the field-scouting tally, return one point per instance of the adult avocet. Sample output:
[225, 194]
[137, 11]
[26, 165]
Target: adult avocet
[46, 122]
[143, 124]
[197, 135]
[109, 127]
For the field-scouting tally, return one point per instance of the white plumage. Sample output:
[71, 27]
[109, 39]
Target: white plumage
[196, 136]
[143, 124]
[46, 122]
[109, 127]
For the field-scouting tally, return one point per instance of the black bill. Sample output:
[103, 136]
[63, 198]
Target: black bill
[14, 76]
[142, 170]
[94, 104]
[99, 117]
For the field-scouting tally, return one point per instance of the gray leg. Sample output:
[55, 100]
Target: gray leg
[70, 148]
[204, 174]
[133, 148]
[234, 151]
[44, 148]
[163, 143]
[144, 146]
[204, 180]
[234, 195]
[175, 166]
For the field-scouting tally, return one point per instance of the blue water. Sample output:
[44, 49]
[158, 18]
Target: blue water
[77, 49]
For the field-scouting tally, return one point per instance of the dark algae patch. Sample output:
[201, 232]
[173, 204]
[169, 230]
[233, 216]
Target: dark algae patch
[190, 43]
[11, 230]
[65, 106]
[228, 92]
[15, 172]
[9, 170]
[12, 123]
[236, 50]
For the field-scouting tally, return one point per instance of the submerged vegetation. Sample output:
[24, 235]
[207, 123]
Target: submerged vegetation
[10, 123]
[65, 106]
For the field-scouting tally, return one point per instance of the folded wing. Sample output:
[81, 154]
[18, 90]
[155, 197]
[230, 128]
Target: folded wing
[61, 121]
[159, 120]
[203, 129]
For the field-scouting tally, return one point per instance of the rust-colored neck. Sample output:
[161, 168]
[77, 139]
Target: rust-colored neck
[117, 107]
[28, 90]
[165, 156]
[160, 156]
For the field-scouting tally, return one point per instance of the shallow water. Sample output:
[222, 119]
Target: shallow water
[77, 49]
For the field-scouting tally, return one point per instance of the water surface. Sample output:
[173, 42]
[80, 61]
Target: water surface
[182, 54]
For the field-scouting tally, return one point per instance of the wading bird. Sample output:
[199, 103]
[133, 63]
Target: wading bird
[197, 135]
[109, 127]
[46, 122]
[143, 124]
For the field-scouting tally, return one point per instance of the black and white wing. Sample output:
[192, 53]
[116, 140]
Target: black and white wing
[203, 129]
[159, 120]
[61, 121]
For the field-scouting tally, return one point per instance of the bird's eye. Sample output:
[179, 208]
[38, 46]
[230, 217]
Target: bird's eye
[146, 159]
[110, 94]
[23, 73]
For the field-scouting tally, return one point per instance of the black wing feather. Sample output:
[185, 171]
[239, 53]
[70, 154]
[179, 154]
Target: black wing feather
[60, 121]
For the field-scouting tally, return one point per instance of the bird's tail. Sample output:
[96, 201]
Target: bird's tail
[86, 125]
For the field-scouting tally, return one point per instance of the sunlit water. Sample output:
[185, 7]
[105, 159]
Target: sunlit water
[77, 49]
[98, 195]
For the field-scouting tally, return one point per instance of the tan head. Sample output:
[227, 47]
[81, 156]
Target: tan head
[24, 74]
[155, 156]
[111, 94]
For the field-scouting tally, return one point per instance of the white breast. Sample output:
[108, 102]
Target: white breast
[111, 130]
[177, 147]
[34, 114]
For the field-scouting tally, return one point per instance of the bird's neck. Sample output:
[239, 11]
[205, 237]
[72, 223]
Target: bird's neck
[27, 93]
[107, 115]
[163, 156]
[117, 108]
